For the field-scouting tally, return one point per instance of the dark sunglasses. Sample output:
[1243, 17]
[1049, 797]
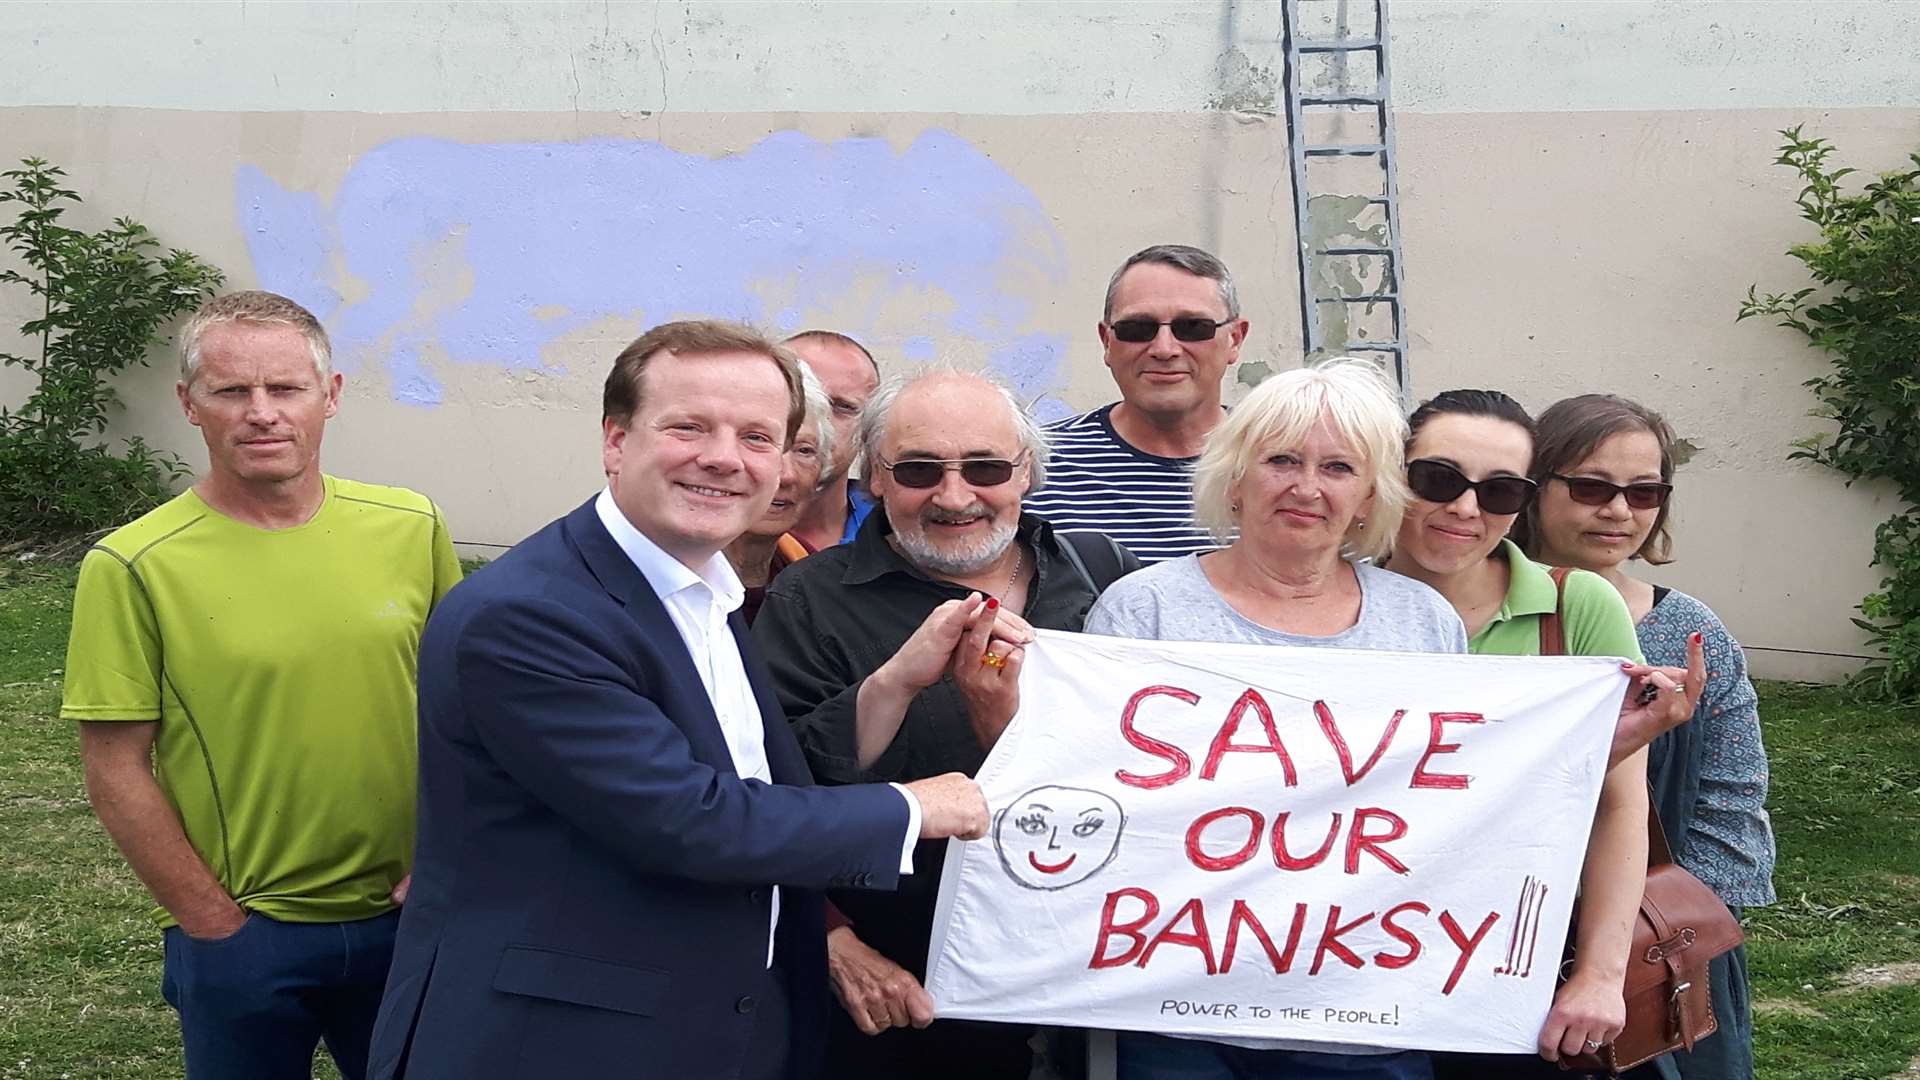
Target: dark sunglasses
[1647, 495]
[928, 472]
[1185, 328]
[1439, 482]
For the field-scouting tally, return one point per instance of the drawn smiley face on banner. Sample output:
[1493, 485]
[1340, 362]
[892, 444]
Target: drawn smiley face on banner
[1052, 837]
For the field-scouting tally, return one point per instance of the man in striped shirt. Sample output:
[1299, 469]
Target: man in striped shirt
[1171, 328]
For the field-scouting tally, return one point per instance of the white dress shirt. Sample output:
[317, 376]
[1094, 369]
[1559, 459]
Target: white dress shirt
[699, 604]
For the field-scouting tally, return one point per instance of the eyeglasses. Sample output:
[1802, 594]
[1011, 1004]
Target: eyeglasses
[1439, 482]
[1185, 328]
[1647, 495]
[928, 472]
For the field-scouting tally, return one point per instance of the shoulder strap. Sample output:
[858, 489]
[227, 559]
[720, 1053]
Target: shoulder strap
[1553, 628]
[1553, 642]
[1658, 853]
[1095, 557]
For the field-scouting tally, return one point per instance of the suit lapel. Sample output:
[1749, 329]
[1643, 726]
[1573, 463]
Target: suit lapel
[624, 582]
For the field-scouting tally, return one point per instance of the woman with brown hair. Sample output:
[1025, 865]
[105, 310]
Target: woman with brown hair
[1468, 456]
[1605, 469]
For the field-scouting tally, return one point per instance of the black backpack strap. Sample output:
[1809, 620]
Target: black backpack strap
[1097, 558]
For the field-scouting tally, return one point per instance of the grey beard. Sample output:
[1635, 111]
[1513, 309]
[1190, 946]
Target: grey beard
[970, 559]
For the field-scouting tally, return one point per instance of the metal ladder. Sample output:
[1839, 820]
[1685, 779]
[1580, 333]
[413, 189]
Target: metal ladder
[1342, 299]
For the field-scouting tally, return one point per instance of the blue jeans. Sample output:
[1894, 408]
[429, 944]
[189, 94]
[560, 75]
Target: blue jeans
[1157, 1057]
[254, 1006]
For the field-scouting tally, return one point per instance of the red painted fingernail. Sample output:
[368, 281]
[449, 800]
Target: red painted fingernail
[1696, 637]
[994, 602]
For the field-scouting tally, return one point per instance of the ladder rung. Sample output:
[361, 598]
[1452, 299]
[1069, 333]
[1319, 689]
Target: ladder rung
[1358, 251]
[1376, 298]
[1354, 99]
[1340, 45]
[1352, 149]
[1370, 346]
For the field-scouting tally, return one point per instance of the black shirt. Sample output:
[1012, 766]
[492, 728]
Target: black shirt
[831, 620]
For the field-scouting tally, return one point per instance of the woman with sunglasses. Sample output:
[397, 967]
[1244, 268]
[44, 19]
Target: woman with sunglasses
[1467, 464]
[1303, 481]
[1605, 466]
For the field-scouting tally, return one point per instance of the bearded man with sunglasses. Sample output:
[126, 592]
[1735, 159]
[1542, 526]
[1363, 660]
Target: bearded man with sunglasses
[950, 459]
[1171, 328]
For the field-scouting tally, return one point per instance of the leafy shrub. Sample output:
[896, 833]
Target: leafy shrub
[1864, 312]
[104, 298]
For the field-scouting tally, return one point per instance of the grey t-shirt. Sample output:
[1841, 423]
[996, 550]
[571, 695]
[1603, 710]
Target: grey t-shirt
[1174, 601]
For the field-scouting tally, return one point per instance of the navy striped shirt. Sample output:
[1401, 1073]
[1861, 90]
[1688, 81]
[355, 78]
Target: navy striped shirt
[1098, 481]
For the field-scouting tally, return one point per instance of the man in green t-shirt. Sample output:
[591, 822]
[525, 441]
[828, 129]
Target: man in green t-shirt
[242, 667]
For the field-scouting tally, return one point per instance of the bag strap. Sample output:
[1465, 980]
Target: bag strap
[1553, 628]
[1095, 557]
[1553, 642]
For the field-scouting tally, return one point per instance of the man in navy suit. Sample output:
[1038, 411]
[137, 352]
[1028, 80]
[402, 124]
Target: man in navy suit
[620, 846]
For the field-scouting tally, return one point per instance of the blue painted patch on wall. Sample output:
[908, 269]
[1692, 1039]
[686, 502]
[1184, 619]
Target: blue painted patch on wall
[488, 253]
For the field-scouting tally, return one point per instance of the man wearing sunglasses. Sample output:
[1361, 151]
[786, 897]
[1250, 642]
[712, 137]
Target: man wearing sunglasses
[1171, 329]
[950, 458]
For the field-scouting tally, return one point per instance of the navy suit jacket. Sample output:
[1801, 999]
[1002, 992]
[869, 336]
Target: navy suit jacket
[591, 886]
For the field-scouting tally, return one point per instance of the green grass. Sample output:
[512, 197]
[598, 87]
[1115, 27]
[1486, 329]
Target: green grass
[1846, 809]
[80, 964]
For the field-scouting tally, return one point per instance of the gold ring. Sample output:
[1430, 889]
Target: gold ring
[993, 661]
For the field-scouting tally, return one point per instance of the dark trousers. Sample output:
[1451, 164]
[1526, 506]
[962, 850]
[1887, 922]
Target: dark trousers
[943, 1050]
[254, 1006]
[1145, 1056]
[1499, 1067]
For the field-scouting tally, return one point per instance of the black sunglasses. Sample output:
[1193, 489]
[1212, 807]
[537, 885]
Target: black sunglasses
[1646, 495]
[1439, 482]
[928, 472]
[1185, 328]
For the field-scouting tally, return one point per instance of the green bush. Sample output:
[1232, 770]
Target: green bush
[104, 298]
[1864, 312]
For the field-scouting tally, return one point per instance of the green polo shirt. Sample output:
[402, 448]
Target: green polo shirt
[279, 665]
[1594, 618]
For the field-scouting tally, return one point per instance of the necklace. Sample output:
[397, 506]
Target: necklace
[1019, 562]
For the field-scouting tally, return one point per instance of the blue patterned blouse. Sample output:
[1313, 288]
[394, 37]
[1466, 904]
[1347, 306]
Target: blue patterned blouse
[1710, 774]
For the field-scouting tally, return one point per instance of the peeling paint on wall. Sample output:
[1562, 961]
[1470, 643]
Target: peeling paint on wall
[1244, 86]
[434, 254]
[1345, 221]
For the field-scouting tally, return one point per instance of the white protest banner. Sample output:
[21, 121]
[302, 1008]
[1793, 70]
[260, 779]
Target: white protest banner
[1253, 841]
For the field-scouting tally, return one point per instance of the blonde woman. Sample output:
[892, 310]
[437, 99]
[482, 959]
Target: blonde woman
[1302, 480]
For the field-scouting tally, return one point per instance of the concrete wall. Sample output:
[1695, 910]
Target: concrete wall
[486, 201]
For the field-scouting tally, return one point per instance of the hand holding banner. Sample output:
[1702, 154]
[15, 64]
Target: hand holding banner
[1262, 842]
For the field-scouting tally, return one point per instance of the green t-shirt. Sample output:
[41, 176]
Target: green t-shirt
[280, 665]
[1594, 619]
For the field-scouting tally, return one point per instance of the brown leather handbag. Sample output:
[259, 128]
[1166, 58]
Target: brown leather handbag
[1681, 926]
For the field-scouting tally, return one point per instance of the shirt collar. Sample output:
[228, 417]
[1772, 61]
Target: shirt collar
[1530, 588]
[666, 574]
